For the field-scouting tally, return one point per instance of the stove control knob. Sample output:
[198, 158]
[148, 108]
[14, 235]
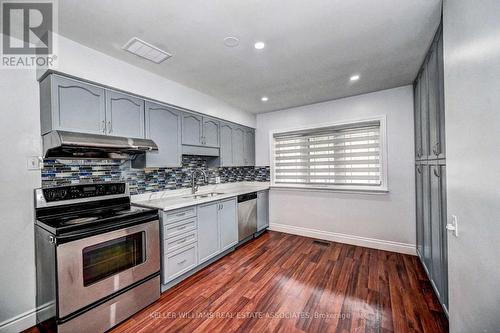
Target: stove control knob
[61, 193]
[50, 195]
[113, 189]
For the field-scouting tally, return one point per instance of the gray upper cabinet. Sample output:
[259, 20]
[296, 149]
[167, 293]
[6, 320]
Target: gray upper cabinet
[417, 119]
[249, 147]
[208, 231]
[163, 126]
[424, 113]
[228, 224]
[262, 210]
[441, 146]
[71, 105]
[238, 146]
[226, 145]
[210, 135]
[124, 115]
[192, 129]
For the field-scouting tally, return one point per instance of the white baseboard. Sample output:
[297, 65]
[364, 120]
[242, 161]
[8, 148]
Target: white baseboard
[24, 320]
[373, 243]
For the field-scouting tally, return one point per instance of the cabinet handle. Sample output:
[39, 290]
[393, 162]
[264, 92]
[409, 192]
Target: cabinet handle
[181, 262]
[181, 214]
[419, 169]
[419, 152]
[182, 240]
[435, 149]
[110, 127]
[103, 127]
[436, 172]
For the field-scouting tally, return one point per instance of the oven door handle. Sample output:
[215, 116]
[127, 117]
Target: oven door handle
[106, 228]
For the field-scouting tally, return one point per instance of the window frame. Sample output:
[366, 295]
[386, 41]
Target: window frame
[382, 188]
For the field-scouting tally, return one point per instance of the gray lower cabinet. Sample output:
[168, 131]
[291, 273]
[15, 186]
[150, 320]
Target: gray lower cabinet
[192, 129]
[226, 145]
[208, 229]
[163, 126]
[228, 223]
[262, 210]
[70, 105]
[238, 146]
[426, 217]
[419, 196]
[124, 115]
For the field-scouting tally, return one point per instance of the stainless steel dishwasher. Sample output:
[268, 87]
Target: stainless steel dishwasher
[247, 215]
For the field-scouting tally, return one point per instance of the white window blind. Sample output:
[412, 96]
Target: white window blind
[338, 155]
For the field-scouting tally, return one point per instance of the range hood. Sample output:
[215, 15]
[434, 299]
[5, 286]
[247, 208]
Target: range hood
[63, 144]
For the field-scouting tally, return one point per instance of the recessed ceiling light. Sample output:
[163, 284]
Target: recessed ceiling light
[231, 41]
[354, 77]
[264, 99]
[259, 45]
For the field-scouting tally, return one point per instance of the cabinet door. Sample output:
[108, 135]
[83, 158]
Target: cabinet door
[433, 89]
[249, 148]
[262, 210]
[238, 146]
[226, 145]
[124, 115]
[191, 129]
[228, 224]
[210, 132]
[163, 126]
[419, 209]
[436, 229]
[426, 218]
[444, 294]
[77, 106]
[424, 113]
[442, 145]
[208, 231]
[417, 118]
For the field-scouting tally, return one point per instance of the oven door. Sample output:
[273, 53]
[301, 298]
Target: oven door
[94, 267]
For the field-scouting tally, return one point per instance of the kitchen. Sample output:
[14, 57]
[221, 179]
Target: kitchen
[156, 179]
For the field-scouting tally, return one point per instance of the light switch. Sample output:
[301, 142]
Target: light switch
[34, 163]
[453, 225]
[217, 180]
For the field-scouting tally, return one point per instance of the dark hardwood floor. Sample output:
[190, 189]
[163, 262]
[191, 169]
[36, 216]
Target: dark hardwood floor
[286, 283]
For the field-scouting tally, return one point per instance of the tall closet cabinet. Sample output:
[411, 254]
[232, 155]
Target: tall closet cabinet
[430, 169]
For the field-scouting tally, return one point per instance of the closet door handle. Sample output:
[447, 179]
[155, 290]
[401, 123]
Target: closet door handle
[436, 172]
[419, 169]
[110, 126]
[435, 149]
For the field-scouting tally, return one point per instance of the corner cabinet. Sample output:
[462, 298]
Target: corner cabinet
[430, 169]
[71, 105]
[249, 148]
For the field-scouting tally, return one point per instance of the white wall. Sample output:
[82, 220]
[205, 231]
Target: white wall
[87, 63]
[20, 138]
[472, 105]
[384, 221]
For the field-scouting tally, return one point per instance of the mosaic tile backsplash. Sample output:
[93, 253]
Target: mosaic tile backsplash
[66, 172]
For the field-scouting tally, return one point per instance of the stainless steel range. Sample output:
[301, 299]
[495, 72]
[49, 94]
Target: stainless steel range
[97, 257]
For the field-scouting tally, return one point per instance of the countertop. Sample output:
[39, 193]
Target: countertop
[175, 199]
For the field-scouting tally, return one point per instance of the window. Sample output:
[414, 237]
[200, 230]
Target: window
[347, 156]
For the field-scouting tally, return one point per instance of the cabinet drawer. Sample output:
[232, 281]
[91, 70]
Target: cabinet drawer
[174, 243]
[180, 214]
[180, 227]
[179, 262]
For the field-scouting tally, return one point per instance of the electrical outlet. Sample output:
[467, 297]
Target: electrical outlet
[34, 163]
[217, 180]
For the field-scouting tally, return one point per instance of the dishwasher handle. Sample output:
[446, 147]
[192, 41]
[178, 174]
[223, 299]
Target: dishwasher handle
[247, 197]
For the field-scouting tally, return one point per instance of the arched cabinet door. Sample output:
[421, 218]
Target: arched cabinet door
[226, 145]
[191, 129]
[124, 115]
[238, 146]
[163, 126]
[71, 105]
[210, 132]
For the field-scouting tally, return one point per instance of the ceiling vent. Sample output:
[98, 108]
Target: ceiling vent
[145, 50]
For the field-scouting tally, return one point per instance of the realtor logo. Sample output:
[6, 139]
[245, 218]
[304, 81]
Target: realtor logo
[27, 34]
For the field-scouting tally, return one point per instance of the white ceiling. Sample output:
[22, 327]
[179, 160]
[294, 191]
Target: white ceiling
[312, 46]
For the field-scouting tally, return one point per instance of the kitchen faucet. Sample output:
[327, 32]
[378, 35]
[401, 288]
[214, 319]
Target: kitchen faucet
[194, 176]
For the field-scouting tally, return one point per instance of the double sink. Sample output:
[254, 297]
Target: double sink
[202, 195]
